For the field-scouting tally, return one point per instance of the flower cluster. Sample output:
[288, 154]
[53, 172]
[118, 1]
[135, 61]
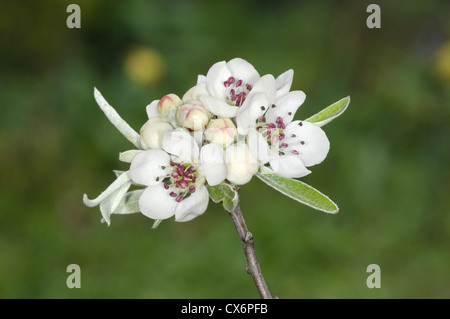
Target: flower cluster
[222, 130]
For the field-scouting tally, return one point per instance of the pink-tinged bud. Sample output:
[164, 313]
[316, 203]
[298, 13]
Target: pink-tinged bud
[152, 133]
[194, 93]
[221, 131]
[193, 116]
[241, 164]
[168, 105]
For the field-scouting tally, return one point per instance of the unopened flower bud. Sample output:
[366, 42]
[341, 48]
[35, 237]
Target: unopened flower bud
[152, 133]
[193, 116]
[195, 93]
[241, 164]
[221, 131]
[168, 105]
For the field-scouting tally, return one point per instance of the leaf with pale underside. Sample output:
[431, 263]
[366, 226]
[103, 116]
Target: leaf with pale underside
[224, 193]
[330, 113]
[117, 120]
[128, 205]
[298, 191]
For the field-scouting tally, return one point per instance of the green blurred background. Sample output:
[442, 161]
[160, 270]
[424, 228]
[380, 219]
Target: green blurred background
[388, 167]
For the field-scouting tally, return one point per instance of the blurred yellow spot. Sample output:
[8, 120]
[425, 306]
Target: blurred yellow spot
[144, 66]
[442, 62]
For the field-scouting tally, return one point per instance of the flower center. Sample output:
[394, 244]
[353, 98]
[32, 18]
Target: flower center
[273, 133]
[236, 91]
[181, 181]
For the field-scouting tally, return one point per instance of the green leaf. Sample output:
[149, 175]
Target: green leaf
[224, 193]
[330, 113]
[298, 191]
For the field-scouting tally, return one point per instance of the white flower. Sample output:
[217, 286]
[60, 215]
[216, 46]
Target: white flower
[175, 176]
[229, 85]
[288, 146]
[241, 164]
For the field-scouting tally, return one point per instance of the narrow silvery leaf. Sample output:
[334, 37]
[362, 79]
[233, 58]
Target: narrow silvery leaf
[129, 203]
[330, 113]
[119, 182]
[118, 173]
[128, 156]
[116, 120]
[108, 206]
[298, 191]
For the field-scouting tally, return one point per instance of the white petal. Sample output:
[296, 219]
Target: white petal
[181, 144]
[147, 168]
[152, 109]
[288, 166]
[193, 206]
[315, 146]
[156, 203]
[215, 77]
[242, 70]
[258, 146]
[218, 106]
[213, 164]
[251, 111]
[267, 85]
[286, 106]
[284, 82]
[201, 79]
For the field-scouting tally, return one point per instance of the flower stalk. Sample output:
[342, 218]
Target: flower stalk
[247, 240]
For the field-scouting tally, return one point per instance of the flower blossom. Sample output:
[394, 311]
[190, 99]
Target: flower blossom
[230, 84]
[175, 176]
[272, 135]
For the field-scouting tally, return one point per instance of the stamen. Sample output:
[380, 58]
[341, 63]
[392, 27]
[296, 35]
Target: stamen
[191, 189]
[295, 152]
[300, 123]
[263, 108]
[302, 142]
[179, 198]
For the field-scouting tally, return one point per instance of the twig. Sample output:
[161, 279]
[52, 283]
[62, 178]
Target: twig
[247, 241]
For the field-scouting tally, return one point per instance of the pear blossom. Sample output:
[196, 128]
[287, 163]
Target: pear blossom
[273, 137]
[175, 176]
[230, 84]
